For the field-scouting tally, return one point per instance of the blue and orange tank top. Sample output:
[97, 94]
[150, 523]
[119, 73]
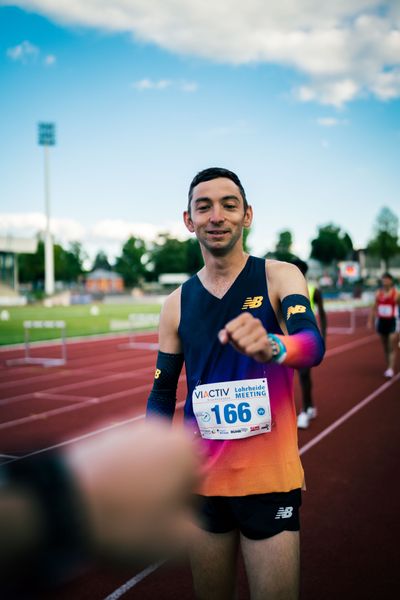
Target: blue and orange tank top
[264, 463]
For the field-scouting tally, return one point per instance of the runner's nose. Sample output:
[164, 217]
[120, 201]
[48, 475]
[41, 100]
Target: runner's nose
[217, 214]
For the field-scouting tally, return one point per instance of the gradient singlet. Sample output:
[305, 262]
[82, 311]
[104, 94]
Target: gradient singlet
[264, 463]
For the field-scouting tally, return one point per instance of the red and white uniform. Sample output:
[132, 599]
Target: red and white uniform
[386, 304]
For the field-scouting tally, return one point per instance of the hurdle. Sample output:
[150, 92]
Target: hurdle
[37, 360]
[350, 316]
[140, 321]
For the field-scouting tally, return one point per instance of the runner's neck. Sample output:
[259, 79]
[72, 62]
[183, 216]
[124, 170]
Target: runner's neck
[219, 273]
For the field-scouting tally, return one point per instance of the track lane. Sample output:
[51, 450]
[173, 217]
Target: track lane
[351, 379]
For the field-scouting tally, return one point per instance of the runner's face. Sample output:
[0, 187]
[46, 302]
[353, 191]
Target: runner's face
[387, 283]
[217, 215]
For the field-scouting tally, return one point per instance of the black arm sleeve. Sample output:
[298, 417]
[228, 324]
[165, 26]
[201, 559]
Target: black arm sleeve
[162, 397]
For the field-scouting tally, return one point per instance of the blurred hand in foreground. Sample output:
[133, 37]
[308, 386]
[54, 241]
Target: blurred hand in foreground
[136, 483]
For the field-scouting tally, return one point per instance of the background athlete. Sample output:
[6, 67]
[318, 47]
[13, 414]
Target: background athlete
[240, 325]
[384, 313]
[309, 410]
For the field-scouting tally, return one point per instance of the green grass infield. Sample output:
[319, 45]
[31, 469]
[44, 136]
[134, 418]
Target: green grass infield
[80, 320]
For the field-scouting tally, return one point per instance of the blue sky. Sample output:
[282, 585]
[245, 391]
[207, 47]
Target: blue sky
[302, 103]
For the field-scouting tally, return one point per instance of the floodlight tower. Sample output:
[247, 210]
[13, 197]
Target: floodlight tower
[47, 138]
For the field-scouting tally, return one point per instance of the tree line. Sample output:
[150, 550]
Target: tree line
[139, 261]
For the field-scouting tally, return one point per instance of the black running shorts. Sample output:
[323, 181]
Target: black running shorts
[386, 326]
[258, 516]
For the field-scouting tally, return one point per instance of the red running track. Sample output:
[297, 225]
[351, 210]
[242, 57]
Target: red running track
[350, 524]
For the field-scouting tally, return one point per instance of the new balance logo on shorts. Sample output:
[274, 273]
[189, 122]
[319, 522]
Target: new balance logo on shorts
[284, 513]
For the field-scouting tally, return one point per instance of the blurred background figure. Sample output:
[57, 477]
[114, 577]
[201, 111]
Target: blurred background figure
[384, 314]
[120, 497]
[309, 411]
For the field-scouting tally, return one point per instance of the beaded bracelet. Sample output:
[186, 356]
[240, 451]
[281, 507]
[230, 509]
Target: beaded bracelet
[278, 348]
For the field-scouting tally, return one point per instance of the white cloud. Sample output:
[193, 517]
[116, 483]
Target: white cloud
[119, 230]
[344, 48]
[108, 234]
[332, 92]
[189, 86]
[148, 84]
[331, 121]
[50, 60]
[30, 224]
[162, 84]
[387, 85]
[24, 52]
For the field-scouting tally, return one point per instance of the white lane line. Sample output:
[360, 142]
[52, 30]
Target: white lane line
[43, 415]
[134, 581]
[82, 384]
[50, 396]
[347, 415]
[349, 346]
[86, 435]
[7, 456]
[57, 411]
[74, 369]
[143, 370]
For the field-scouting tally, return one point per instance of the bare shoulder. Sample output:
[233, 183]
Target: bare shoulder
[285, 279]
[169, 322]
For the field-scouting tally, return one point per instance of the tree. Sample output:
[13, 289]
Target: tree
[169, 255]
[130, 263]
[246, 234]
[68, 264]
[331, 245]
[101, 261]
[194, 257]
[385, 243]
[283, 247]
[31, 267]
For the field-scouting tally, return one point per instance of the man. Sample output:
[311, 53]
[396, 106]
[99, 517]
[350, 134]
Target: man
[384, 313]
[229, 323]
[309, 410]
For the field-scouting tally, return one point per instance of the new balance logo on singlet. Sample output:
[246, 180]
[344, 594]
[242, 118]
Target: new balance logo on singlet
[252, 302]
[284, 513]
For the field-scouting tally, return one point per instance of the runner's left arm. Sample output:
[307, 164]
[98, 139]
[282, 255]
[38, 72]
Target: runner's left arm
[303, 347]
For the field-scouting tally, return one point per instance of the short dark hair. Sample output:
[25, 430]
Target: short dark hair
[387, 275]
[300, 264]
[215, 173]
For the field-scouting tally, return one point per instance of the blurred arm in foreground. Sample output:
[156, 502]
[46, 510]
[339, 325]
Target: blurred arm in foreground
[121, 496]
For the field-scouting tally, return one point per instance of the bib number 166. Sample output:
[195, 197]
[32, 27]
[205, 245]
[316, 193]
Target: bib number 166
[232, 413]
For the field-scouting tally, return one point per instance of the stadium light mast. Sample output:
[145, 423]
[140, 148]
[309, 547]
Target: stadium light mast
[47, 138]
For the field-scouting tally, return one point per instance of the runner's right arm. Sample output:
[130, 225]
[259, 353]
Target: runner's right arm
[373, 313]
[162, 399]
[321, 311]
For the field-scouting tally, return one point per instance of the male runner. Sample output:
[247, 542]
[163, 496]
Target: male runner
[309, 409]
[384, 313]
[241, 325]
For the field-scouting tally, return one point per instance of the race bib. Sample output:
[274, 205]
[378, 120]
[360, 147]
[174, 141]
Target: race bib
[385, 310]
[231, 410]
